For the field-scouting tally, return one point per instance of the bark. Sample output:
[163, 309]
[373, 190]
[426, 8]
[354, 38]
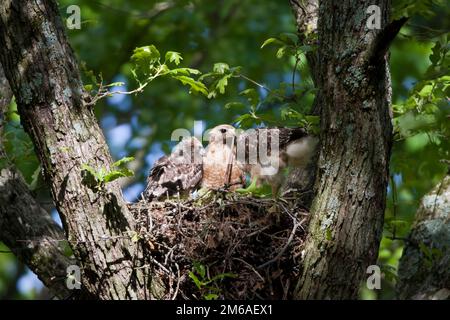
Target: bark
[424, 271]
[31, 234]
[352, 76]
[352, 170]
[22, 218]
[44, 77]
[306, 14]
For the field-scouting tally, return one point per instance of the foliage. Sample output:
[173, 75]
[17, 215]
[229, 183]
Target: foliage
[189, 36]
[97, 179]
[208, 286]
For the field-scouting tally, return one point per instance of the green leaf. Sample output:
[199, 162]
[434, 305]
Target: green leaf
[184, 71]
[222, 276]
[91, 171]
[145, 57]
[200, 269]
[269, 41]
[173, 56]
[195, 86]
[251, 95]
[306, 48]
[122, 161]
[288, 38]
[230, 105]
[221, 67]
[281, 52]
[222, 83]
[116, 174]
[262, 191]
[194, 278]
[211, 296]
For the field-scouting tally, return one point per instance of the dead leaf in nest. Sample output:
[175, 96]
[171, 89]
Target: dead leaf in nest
[220, 235]
[211, 242]
[151, 245]
[276, 274]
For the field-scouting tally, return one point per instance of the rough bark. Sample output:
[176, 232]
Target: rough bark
[354, 94]
[25, 227]
[306, 14]
[44, 77]
[424, 271]
[352, 170]
[31, 234]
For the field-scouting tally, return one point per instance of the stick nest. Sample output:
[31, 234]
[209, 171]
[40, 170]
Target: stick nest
[227, 246]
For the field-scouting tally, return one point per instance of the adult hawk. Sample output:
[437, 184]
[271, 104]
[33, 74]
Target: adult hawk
[220, 170]
[180, 172]
[264, 153]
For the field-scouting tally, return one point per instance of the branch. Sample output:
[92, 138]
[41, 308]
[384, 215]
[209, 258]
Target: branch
[31, 234]
[306, 14]
[21, 217]
[383, 40]
[423, 270]
[49, 93]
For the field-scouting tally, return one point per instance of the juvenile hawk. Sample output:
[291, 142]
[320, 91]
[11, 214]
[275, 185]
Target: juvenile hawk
[220, 169]
[180, 172]
[264, 153]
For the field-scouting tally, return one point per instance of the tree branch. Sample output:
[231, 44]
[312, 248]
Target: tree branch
[306, 13]
[424, 271]
[384, 39]
[25, 227]
[353, 102]
[44, 77]
[31, 234]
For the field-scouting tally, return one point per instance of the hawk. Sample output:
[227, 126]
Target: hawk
[178, 173]
[220, 170]
[265, 153]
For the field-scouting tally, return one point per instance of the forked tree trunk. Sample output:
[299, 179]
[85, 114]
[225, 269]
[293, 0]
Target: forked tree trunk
[424, 270]
[44, 77]
[352, 76]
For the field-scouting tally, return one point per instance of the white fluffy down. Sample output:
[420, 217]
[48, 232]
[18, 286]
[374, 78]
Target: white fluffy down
[299, 152]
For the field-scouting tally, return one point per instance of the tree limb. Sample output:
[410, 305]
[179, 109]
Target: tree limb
[31, 234]
[44, 77]
[25, 227]
[384, 39]
[352, 169]
[424, 271]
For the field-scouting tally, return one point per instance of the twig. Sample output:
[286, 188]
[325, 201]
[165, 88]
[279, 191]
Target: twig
[178, 282]
[251, 267]
[278, 256]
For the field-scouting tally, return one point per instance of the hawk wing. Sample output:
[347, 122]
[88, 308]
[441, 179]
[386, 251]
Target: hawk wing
[250, 141]
[256, 157]
[176, 173]
[168, 178]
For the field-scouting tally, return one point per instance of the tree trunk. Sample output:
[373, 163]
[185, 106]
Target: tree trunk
[352, 171]
[424, 270]
[351, 73]
[44, 77]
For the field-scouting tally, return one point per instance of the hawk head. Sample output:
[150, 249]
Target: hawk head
[222, 134]
[188, 151]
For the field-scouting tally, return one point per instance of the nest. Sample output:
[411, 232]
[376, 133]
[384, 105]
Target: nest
[227, 246]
